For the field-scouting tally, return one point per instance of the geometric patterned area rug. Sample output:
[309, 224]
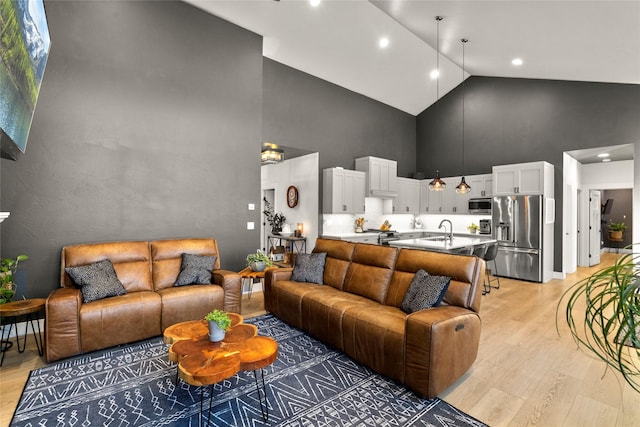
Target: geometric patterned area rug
[309, 384]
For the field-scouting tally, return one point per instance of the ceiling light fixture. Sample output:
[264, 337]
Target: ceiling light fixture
[383, 42]
[314, 3]
[517, 62]
[271, 154]
[606, 160]
[437, 184]
[603, 155]
[463, 187]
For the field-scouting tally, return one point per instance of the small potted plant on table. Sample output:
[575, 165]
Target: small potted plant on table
[219, 324]
[616, 229]
[258, 261]
[8, 267]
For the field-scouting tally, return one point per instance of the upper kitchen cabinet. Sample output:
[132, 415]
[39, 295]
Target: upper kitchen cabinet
[523, 178]
[481, 185]
[342, 191]
[408, 200]
[381, 176]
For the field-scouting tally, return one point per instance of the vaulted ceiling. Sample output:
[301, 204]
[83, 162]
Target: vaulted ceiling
[597, 41]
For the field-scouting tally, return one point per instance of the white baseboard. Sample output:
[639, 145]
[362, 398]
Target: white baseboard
[559, 275]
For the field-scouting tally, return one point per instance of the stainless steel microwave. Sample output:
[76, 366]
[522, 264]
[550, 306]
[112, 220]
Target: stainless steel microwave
[480, 205]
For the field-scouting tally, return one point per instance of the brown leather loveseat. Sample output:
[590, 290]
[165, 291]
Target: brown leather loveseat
[148, 271]
[357, 310]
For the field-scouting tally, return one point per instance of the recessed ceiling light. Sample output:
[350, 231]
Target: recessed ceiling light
[606, 160]
[314, 3]
[603, 155]
[434, 74]
[383, 42]
[517, 61]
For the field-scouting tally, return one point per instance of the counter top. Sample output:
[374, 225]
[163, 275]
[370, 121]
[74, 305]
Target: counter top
[442, 245]
[339, 236]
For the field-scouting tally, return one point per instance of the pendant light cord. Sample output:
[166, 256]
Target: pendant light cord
[464, 41]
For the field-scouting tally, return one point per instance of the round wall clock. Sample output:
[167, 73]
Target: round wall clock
[292, 196]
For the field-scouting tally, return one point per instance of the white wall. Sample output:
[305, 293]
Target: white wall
[570, 183]
[303, 173]
[636, 198]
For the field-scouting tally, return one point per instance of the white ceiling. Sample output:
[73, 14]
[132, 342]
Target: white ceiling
[337, 41]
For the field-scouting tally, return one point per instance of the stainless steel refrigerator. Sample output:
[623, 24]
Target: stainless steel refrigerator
[517, 226]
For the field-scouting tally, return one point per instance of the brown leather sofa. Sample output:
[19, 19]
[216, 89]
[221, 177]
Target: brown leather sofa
[357, 310]
[147, 271]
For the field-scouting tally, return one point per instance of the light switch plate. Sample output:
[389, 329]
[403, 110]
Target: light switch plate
[251, 225]
[252, 206]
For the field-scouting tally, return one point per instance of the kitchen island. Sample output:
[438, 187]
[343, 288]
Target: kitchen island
[444, 244]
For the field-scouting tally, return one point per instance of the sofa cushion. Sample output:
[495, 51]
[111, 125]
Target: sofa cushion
[425, 291]
[309, 268]
[339, 255]
[370, 271]
[166, 258]
[196, 269]
[97, 280]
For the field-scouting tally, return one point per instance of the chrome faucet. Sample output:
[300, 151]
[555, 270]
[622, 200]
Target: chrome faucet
[445, 229]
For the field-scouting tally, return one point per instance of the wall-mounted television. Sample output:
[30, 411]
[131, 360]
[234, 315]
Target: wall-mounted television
[24, 49]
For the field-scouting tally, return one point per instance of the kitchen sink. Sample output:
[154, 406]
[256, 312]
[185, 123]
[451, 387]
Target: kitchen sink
[436, 238]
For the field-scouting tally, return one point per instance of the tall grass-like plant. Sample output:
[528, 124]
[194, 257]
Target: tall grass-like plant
[603, 314]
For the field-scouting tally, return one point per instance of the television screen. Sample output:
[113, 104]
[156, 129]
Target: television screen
[24, 48]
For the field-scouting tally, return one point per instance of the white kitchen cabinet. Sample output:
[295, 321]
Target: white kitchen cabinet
[446, 201]
[430, 201]
[362, 239]
[522, 178]
[481, 185]
[381, 179]
[408, 200]
[343, 191]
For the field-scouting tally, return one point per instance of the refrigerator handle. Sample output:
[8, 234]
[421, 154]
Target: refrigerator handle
[514, 220]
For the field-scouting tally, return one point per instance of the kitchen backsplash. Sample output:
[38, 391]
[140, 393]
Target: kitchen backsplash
[340, 223]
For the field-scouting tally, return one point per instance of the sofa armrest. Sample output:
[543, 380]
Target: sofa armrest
[441, 344]
[62, 325]
[272, 275]
[232, 286]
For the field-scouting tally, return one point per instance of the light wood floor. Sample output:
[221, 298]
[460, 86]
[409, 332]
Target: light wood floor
[525, 374]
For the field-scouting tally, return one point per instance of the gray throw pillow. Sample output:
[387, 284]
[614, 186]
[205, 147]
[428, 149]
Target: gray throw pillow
[196, 269]
[97, 280]
[425, 291]
[309, 268]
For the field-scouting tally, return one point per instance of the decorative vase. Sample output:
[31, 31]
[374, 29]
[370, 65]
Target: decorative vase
[257, 265]
[473, 230]
[215, 333]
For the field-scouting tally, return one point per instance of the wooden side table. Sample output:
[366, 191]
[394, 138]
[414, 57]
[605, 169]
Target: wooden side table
[247, 273]
[204, 363]
[30, 309]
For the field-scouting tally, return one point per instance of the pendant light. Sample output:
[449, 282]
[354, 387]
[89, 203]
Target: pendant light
[463, 187]
[437, 184]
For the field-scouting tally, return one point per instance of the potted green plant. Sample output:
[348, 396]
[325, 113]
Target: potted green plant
[219, 324]
[616, 229]
[603, 314]
[258, 261]
[276, 220]
[473, 228]
[8, 267]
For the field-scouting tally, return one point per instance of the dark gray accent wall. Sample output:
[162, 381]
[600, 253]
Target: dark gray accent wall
[310, 113]
[621, 211]
[149, 114]
[521, 120]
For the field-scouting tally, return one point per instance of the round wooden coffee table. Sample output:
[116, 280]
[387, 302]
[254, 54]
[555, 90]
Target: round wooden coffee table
[28, 308]
[204, 363]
